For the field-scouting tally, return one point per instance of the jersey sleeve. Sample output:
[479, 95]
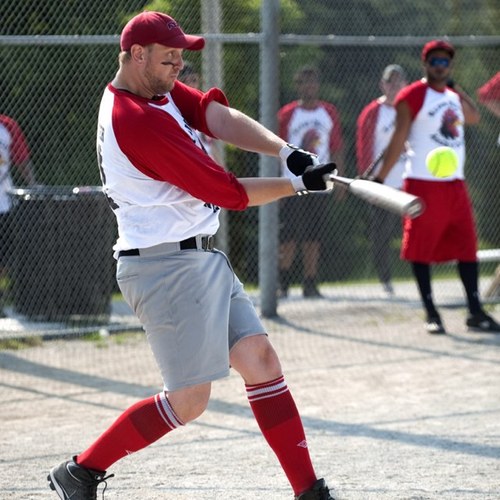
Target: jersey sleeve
[365, 135]
[490, 91]
[413, 95]
[193, 103]
[19, 149]
[284, 117]
[155, 144]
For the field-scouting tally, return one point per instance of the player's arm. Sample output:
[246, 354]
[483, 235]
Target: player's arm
[397, 143]
[338, 158]
[471, 113]
[263, 190]
[234, 127]
[493, 106]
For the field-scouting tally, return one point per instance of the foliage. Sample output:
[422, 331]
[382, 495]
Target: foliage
[54, 90]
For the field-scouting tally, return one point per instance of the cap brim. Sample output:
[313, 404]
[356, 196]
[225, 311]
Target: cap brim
[189, 42]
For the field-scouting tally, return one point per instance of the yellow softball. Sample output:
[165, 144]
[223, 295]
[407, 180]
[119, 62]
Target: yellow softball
[442, 162]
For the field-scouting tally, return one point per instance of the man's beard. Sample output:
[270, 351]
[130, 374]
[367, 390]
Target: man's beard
[159, 87]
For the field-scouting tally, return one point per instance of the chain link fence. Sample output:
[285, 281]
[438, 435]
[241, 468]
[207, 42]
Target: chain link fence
[56, 59]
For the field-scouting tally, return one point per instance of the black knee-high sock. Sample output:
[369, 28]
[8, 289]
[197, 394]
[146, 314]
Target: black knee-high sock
[422, 273]
[469, 272]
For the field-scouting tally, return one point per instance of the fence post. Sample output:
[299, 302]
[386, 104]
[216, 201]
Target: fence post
[268, 214]
[213, 76]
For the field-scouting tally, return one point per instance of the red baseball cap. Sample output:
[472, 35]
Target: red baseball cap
[155, 27]
[437, 45]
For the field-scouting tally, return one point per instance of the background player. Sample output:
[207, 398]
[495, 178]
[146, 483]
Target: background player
[429, 114]
[165, 192]
[14, 152]
[375, 126]
[314, 125]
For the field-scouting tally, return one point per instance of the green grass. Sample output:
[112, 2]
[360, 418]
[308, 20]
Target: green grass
[18, 344]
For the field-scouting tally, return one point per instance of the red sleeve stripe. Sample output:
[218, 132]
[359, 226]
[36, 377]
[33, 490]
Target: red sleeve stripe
[365, 134]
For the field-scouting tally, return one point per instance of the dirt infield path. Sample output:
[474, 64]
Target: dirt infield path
[390, 412]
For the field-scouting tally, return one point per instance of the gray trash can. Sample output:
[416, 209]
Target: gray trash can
[61, 265]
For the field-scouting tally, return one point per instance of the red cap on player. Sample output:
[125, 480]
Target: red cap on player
[437, 45]
[156, 27]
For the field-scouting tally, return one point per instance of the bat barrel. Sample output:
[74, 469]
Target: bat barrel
[383, 196]
[413, 208]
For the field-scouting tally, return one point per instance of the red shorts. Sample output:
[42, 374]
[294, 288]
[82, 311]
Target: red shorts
[446, 230]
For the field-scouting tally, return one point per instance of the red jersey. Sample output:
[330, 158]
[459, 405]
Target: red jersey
[161, 184]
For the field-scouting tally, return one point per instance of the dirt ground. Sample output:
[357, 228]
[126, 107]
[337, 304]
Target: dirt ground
[390, 412]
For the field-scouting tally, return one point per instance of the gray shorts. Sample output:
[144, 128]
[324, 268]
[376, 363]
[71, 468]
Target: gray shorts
[193, 309]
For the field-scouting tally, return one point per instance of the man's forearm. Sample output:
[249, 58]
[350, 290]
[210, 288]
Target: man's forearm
[263, 190]
[391, 156]
[234, 127]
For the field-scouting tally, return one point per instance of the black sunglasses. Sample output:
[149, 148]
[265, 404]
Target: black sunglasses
[439, 61]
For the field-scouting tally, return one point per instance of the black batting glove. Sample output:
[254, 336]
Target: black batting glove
[297, 160]
[315, 179]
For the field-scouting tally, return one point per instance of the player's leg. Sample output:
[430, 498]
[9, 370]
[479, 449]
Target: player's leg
[186, 326]
[382, 226]
[286, 257]
[311, 251]
[144, 423]
[288, 245]
[423, 241]
[310, 236]
[137, 427]
[6, 249]
[422, 273]
[464, 238]
[477, 319]
[253, 356]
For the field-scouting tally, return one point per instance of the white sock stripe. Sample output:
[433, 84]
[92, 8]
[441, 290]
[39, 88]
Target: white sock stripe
[166, 411]
[257, 391]
[162, 413]
[268, 395]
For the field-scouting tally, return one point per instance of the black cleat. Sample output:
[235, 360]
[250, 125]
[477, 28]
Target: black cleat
[73, 482]
[319, 491]
[481, 322]
[434, 325]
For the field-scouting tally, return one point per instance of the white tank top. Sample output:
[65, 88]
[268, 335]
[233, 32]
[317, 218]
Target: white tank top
[440, 122]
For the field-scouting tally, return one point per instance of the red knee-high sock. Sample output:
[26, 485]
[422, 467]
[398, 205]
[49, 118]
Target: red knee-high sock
[139, 426]
[280, 423]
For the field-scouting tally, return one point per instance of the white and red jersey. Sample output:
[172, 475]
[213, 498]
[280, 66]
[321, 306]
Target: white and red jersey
[317, 130]
[438, 120]
[375, 126]
[14, 150]
[161, 184]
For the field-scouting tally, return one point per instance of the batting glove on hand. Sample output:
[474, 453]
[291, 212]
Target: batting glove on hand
[297, 160]
[316, 178]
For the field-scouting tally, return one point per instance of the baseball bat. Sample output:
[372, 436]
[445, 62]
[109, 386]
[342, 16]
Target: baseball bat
[373, 165]
[382, 196]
